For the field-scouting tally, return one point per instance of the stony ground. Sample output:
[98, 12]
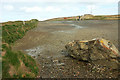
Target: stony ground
[47, 41]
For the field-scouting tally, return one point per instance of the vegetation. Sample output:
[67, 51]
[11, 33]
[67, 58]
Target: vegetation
[16, 30]
[90, 17]
[96, 18]
[16, 64]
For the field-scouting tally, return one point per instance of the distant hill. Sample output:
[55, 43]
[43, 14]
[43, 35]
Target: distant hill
[87, 17]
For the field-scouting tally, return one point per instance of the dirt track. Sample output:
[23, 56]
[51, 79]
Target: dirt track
[46, 42]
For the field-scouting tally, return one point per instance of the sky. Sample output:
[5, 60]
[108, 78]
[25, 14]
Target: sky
[12, 10]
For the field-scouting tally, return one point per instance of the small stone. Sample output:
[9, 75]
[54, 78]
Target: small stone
[55, 61]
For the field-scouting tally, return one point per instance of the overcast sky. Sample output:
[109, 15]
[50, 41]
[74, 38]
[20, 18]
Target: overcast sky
[11, 10]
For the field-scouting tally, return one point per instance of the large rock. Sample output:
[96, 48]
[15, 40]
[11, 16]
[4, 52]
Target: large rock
[92, 50]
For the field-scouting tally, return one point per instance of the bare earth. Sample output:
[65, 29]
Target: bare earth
[47, 41]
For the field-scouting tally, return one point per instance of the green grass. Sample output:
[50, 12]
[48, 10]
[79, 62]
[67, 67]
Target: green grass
[5, 69]
[11, 32]
[29, 62]
[16, 30]
[12, 58]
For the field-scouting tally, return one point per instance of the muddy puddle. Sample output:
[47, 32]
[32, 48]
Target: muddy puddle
[71, 31]
[64, 31]
[77, 26]
[34, 52]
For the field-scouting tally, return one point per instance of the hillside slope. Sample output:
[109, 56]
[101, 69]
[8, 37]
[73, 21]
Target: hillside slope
[16, 64]
[87, 17]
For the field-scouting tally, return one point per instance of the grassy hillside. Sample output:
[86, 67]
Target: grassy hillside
[94, 17]
[16, 64]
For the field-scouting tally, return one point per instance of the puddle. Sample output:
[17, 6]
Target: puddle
[64, 31]
[58, 64]
[69, 31]
[76, 26]
[34, 51]
[45, 51]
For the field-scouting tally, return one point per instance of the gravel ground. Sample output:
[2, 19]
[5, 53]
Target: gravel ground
[47, 41]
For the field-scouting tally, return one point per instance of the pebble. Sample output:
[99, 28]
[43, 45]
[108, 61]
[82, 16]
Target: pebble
[55, 61]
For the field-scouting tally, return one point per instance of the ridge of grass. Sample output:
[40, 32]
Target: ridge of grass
[11, 32]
